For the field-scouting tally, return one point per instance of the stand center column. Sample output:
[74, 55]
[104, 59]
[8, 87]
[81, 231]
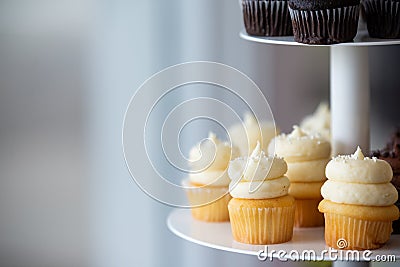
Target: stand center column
[350, 96]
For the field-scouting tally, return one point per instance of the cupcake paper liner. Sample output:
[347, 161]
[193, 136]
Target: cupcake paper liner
[261, 225]
[307, 214]
[218, 199]
[383, 18]
[327, 26]
[344, 232]
[266, 17]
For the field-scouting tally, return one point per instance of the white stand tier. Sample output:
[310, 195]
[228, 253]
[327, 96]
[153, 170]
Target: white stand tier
[350, 92]
[219, 236]
[362, 39]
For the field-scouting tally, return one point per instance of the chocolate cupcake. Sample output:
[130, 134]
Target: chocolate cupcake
[391, 154]
[267, 17]
[383, 18]
[324, 21]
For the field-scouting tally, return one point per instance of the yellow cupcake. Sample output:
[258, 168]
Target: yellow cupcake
[306, 157]
[261, 211]
[207, 187]
[358, 202]
[262, 221]
[209, 203]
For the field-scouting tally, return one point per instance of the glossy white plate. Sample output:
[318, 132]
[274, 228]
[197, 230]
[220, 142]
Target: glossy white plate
[218, 236]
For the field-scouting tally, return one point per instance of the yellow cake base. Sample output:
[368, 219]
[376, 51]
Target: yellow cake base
[266, 221]
[307, 214]
[210, 204]
[357, 227]
[358, 234]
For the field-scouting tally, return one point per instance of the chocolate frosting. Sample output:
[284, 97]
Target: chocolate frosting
[391, 154]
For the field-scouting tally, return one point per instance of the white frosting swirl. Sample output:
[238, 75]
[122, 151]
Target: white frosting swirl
[245, 135]
[359, 180]
[211, 154]
[209, 161]
[299, 146]
[268, 189]
[257, 167]
[259, 172]
[307, 171]
[359, 169]
[360, 194]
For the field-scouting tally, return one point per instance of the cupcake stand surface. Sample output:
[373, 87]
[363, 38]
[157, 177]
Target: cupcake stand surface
[350, 96]
[219, 236]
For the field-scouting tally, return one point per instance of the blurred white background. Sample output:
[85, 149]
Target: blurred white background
[68, 69]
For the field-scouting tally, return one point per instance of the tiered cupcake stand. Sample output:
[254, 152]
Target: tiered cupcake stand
[350, 96]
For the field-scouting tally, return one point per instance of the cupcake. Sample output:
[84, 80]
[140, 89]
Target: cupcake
[245, 135]
[207, 186]
[319, 122]
[306, 156]
[358, 202]
[383, 18]
[391, 154]
[324, 21]
[266, 17]
[261, 211]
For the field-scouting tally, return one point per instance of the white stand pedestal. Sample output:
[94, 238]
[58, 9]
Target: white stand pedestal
[350, 95]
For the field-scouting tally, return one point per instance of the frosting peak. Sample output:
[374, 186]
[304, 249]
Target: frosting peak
[297, 132]
[249, 118]
[322, 112]
[319, 121]
[256, 152]
[358, 155]
[213, 137]
[211, 154]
